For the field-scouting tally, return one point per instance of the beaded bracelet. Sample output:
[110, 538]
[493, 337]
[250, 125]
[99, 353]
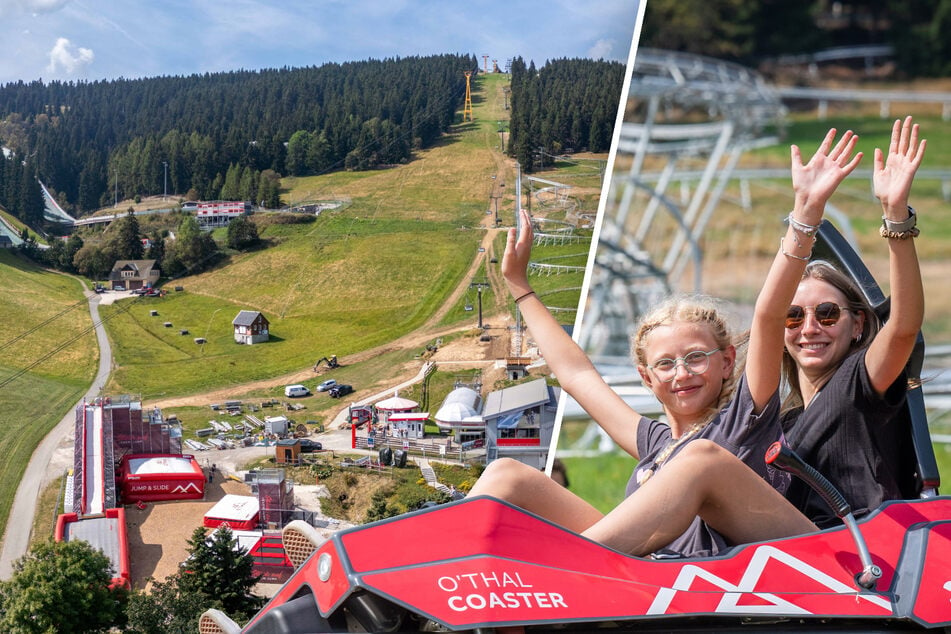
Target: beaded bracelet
[807, 230]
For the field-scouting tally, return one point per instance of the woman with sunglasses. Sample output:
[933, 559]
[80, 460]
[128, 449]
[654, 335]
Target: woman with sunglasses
[846, 375]
[701, 475]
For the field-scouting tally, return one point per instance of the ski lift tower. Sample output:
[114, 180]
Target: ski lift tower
[467, 108]
[479, 286]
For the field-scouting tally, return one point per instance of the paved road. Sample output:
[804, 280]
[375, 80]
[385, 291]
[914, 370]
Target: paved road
[38, 473]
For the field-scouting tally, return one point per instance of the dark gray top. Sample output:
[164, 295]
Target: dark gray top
[736, 428]
[853, 437]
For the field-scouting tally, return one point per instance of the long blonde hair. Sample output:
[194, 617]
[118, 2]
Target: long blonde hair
[693, 309]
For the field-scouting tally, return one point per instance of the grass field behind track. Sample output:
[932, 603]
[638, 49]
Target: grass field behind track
[46, 316]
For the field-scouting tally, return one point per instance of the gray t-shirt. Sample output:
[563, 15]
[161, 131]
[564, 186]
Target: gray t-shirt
[736, 428]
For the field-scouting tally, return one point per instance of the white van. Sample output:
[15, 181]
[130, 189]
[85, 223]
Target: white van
[296, 390]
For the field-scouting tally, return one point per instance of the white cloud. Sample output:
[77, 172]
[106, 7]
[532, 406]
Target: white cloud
[601, 50]
[67, 58]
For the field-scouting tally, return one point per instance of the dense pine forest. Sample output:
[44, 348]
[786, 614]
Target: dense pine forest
[234, 135]
[91, 141]
[567, 105]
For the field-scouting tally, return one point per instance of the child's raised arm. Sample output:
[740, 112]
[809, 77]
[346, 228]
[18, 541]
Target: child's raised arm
[571, 366]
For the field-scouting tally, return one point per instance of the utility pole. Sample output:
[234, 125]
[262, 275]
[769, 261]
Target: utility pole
[165, 165]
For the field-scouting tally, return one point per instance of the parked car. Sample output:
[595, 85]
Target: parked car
[118, 287]
[341, 390]
[326, 385]
[307, 445]
[292, 391]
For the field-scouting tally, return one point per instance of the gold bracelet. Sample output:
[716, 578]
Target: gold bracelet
[899, 235]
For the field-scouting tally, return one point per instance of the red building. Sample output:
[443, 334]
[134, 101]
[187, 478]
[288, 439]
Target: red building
[218, 213]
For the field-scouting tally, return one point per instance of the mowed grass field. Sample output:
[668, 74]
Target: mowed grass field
[48, 359]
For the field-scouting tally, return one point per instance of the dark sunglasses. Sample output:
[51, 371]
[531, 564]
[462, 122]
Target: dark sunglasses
[827, 314]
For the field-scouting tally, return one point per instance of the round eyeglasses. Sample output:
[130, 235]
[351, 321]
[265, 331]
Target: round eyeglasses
[695, 362]
[827, 314]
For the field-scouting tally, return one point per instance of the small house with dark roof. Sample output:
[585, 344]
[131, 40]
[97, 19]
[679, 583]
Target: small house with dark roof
[250, 327]
[133, 274]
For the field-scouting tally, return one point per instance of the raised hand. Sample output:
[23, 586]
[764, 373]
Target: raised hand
[518, 252]
[892, 176]
[815, 181]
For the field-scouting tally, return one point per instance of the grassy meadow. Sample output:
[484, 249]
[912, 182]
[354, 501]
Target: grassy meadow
[48, 359]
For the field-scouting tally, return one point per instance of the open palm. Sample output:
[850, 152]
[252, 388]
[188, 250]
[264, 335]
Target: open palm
[893, 176]
[815, 181]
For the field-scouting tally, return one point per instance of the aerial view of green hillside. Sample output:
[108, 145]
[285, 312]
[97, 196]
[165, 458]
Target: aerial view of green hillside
[391, 266]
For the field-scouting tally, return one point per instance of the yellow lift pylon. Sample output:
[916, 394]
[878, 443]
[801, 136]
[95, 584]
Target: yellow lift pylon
[467, 108]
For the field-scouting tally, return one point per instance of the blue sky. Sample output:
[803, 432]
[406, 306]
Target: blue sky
[106, 39]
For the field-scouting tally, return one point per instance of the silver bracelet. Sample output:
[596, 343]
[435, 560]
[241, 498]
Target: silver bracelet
[792, 255]
[803, 228]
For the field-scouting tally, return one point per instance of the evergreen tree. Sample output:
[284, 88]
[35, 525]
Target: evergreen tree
[156, 250]
[231, 187]
[125, 241]
[298, 148]
[30, 204]
[221, 571]
[61, 587]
